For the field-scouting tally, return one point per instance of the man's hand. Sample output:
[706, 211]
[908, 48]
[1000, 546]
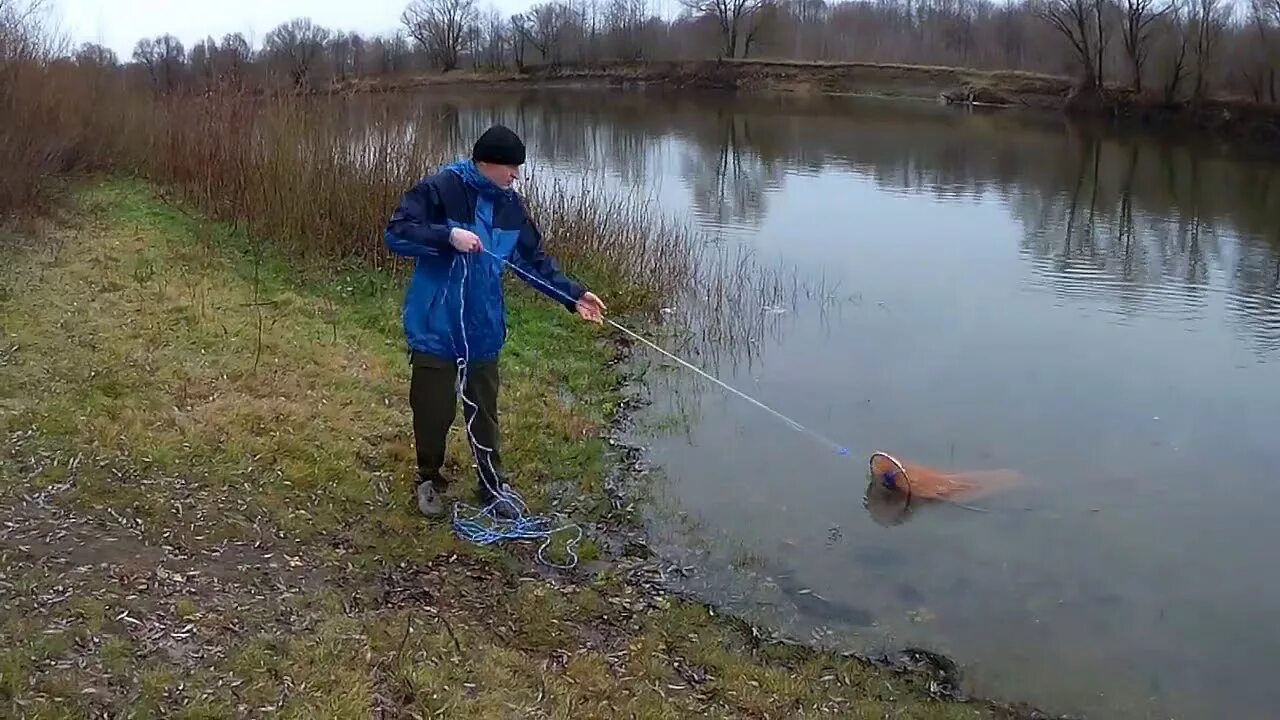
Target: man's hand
[465, 241]
[591, 308]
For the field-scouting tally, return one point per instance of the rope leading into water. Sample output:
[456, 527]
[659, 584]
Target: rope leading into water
[832, 444]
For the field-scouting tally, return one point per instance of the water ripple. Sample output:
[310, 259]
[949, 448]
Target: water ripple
[1168, 299]
[1261, 314]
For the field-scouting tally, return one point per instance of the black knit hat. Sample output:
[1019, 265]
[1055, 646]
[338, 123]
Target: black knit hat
[499, 145]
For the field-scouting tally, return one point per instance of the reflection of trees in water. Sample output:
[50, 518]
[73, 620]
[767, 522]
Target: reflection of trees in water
[1146, 224]
[559, 128]
[728, 176]
[1256, 303]
[1093, 240]
[728, 179]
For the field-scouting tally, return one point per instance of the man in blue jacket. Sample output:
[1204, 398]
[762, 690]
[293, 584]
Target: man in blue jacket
[460, 225]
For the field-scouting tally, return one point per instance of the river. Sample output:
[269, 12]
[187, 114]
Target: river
[1098, 312]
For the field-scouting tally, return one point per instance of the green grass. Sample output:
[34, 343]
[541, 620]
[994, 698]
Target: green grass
[222, 445]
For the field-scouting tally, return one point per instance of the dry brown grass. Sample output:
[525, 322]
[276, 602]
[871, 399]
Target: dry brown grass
[43, 121]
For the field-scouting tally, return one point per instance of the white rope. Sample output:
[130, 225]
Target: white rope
[484, 526]
[842, 450]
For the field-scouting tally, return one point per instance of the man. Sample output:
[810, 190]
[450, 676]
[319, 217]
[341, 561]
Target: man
[459, 225]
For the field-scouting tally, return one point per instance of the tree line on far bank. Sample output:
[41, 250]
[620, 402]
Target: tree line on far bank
[1169, 49]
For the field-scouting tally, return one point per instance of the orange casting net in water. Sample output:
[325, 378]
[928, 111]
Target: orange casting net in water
[895, 488]
[923, 482]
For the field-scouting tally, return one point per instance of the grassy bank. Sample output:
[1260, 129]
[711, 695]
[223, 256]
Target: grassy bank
[206, 508]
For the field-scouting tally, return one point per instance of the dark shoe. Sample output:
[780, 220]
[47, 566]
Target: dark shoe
[430, 496]
[502, 508]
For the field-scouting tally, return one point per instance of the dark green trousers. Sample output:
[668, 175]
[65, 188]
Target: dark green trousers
[433, 398]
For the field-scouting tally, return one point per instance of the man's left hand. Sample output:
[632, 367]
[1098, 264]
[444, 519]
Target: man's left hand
[591, 308]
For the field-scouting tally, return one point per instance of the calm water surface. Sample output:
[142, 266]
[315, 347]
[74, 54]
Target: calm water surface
[1100, 314]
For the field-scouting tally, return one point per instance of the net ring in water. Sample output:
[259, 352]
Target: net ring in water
[888, 498]
[892, 478]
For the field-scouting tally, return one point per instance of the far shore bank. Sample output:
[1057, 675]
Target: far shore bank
[1230, 119]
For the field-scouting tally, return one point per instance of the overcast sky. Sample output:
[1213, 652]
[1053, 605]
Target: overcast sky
[119, 24]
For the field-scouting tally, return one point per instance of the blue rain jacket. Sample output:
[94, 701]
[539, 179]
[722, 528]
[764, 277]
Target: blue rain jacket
[454, 307]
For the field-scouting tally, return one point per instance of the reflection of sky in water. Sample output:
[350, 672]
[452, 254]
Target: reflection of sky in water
[1102, 318]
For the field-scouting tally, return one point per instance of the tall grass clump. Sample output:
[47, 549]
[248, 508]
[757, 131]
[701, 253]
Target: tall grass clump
[51, 119]
[294, 171]
[616, 240]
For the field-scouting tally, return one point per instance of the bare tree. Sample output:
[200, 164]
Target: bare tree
[763, 21]
[95, 55]
[493, 39]
[545, 27]
[1139, 16]
[163, 58]
[1254, 58]
[389, 56]
[359, 51]
[1010, 37]
[1176, 43]
[1207, 18]
[440, 26]
[625, 20]
[22, 33]
[146, 54]
[341, 51]
[519, 39]
[299, 44]
[233, 55]
[203, 61]
[584, 20]
[1266, 18]
[805, 19]
[1083, 24]
[735, 18]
